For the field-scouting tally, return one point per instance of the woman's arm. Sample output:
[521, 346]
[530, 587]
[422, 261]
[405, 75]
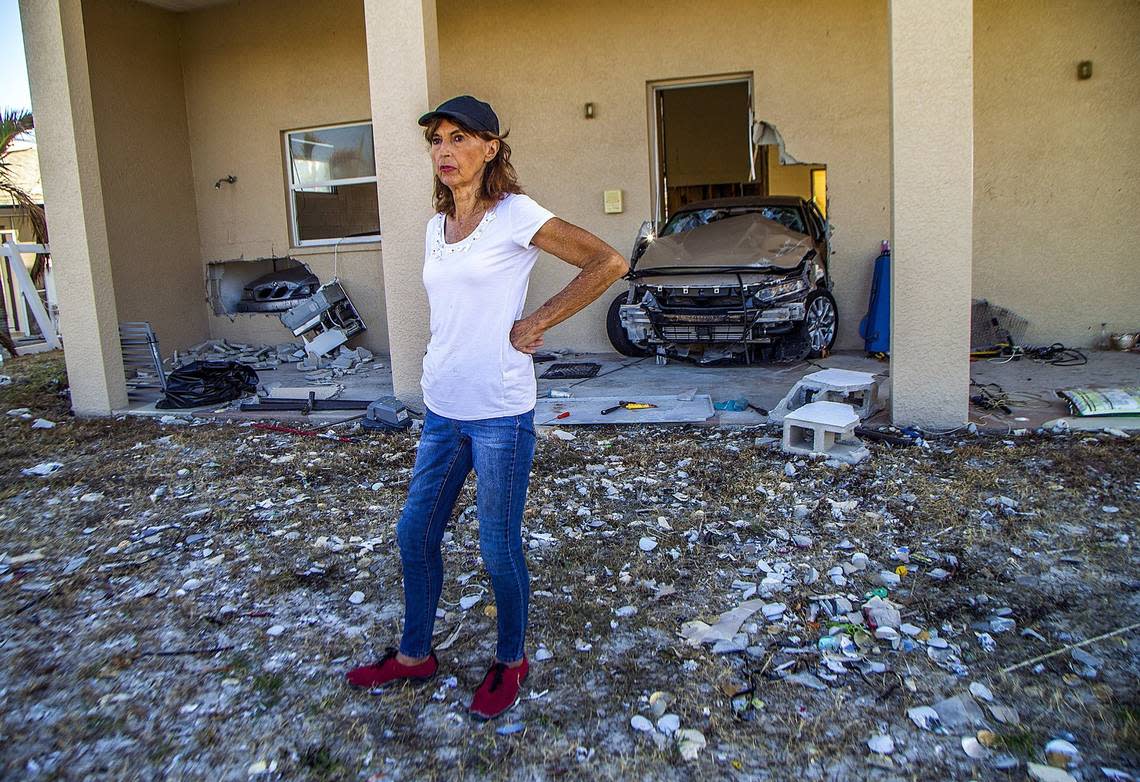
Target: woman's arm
[601, 267]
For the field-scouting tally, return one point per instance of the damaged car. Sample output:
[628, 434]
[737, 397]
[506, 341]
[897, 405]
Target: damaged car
[730, 279]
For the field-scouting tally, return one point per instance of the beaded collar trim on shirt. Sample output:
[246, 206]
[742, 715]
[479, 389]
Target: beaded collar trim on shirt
[440, 247]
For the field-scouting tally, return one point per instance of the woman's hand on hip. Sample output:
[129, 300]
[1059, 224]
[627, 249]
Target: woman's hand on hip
[526, 336]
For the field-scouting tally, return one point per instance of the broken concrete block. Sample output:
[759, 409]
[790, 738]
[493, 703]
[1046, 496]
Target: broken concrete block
[858, 390]
[824, 428]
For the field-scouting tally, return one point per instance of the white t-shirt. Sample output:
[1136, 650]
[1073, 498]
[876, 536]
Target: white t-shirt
[477, 290]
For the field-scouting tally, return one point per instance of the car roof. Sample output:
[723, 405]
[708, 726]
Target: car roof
[714, 203]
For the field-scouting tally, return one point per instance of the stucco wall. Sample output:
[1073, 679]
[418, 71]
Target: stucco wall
[253, 70]
[1057, 165]
[538, 63]
[144, 164]
[1055, 158]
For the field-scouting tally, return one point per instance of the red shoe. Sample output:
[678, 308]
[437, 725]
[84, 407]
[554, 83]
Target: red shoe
[499, 690]
[389, 669]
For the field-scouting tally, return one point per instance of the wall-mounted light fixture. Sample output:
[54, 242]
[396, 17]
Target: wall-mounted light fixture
[228, 180]
[589, 111]
[1084, 69]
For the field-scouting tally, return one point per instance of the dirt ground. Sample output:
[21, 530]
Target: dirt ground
[178, 603]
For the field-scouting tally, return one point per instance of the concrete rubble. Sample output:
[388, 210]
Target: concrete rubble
[339, 362]
[182, 601]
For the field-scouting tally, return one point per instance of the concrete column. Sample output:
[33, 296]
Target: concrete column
[932, 191]
[403, 74]
[56, 50]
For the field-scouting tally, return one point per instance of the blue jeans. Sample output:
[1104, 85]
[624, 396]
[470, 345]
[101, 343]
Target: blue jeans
[501, 450]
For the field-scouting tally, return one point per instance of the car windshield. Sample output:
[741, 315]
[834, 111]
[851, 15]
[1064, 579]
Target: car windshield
[788, 216]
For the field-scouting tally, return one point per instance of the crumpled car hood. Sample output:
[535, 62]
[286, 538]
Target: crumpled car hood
[745, 240]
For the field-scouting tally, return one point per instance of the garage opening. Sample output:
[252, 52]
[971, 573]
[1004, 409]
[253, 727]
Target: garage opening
[708, 144]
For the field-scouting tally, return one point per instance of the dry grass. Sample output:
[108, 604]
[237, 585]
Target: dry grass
[82, 702]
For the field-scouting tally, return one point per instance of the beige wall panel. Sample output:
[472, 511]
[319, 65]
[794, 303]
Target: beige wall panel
[820, 74]
[144, 160]
[252, 70]
[1057, 165]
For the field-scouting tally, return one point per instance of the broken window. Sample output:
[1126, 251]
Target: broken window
[332, 185]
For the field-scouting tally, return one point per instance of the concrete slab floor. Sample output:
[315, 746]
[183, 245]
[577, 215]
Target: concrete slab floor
[763, 385]
[1030, 387]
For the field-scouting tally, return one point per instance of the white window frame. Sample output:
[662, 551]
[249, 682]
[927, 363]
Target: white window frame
[293, 187]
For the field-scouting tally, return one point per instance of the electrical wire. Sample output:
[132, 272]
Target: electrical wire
[1055, 355]
[619, 369]
[336, 247]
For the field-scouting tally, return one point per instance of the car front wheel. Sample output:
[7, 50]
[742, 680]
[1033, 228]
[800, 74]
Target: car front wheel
[617, 333]
[821, 322]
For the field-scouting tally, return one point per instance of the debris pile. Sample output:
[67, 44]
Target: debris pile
[253, 356]
[185, 602]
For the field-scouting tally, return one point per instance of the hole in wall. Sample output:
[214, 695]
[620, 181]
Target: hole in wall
[263, 286]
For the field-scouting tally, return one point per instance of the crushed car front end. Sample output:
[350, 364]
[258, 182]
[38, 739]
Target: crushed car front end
[740, 287]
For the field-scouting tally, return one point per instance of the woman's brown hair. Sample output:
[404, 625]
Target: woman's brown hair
[499, 176]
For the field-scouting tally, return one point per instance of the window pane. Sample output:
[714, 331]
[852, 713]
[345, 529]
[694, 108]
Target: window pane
[333, 153]
[343, 211]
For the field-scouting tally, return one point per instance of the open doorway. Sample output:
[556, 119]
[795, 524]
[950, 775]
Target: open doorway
[703, 135]
[707, 144]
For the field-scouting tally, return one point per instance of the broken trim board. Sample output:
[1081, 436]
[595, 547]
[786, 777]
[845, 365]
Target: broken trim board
[588, 410]
[302, 392]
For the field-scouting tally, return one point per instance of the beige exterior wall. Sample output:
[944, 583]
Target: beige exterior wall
[253, 70]
[539, 63]
[1057, 165]
[1055, 158]
[144, 162]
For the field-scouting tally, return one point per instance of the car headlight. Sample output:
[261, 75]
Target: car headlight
[784, 289]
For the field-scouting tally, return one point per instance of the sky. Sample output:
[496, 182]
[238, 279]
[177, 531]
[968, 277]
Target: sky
[13, 72]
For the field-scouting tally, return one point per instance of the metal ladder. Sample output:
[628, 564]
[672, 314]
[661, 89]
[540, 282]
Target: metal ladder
[142, 362]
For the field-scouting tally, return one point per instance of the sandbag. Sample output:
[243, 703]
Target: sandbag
[201, 383]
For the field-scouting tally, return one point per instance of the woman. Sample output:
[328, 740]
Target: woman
[479, 384]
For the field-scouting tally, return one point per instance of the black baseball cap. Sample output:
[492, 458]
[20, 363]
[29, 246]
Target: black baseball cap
[469, 112]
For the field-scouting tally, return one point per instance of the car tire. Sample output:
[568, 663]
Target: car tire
[617, 333]
[821, 322]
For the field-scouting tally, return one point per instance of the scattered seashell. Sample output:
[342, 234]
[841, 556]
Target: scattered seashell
[1062, 754]
[923, 716]
[882, 744]
[690, 742]
[981, 691]
[974, 748]
[638, 722]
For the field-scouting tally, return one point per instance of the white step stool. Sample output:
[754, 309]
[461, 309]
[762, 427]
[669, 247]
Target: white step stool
[856, 389]
[824, 427]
